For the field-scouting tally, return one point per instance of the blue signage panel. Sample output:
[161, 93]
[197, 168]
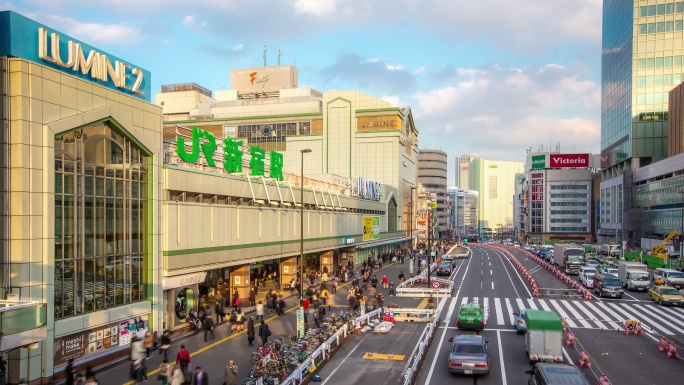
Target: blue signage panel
[27, 39]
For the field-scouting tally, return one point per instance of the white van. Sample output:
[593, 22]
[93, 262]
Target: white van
[586, 276]
[671, 277]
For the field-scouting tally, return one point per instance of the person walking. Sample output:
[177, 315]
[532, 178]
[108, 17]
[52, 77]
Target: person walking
[250, 331]
[252, 297]
[384, 282]
[220, 312]
[391, 288]
[148, 343]
[333, 285]
[236, 299]
[264, 332]
[137, 350]
[177, 376]
[280, 305]
[259, 311]
[138, 372]
[164, 371]
[200, 377]
[208, 325]
[230, 373]
[165, 343]
[183, 359]
[240, 320]
[70, 371]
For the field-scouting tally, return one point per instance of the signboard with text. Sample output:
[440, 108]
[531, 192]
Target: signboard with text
[538, 161]
[371, 228]
[568, 160]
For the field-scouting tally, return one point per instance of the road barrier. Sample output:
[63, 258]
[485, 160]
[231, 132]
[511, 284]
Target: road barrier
[408, 288]
[411, 315]
[564, 293]
[421, 349]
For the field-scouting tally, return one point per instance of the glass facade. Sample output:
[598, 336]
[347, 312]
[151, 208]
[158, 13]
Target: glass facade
[100, 220]
[660, 205]
[642, 62]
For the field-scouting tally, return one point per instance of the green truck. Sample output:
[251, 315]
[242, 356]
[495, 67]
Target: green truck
[544, 337]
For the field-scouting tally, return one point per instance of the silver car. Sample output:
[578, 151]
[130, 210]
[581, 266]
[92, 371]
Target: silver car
[469, 355]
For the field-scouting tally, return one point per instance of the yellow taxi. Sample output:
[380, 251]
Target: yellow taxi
[666, 295]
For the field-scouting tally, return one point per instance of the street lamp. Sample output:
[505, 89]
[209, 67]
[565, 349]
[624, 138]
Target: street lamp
[411, 221]
[301, 227]
[681, 232]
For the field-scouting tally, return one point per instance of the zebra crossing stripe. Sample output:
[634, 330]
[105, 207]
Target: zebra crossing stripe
[485, 307]
[562, 313]
[510, 313]
[521, 304]
[578, 316]
[532, 304]
[464, 301]
[544, 305]
[499, 312]
[588, 314]
[655, 309]
[611, 324]
[640, 317]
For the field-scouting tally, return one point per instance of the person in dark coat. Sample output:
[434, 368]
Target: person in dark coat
[264, 332]
[69, 372]
[250, 331]
[200, 377]
[252, 297]
[220, 313]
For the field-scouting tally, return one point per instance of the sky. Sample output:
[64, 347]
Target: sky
[493, 78]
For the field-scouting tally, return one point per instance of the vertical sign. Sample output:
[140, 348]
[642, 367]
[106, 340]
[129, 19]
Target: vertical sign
[300, 323]
[538, 161]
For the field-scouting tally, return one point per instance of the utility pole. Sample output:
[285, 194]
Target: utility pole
[429, 247]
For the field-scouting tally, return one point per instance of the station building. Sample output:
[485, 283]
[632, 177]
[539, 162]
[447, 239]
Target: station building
[112, 225]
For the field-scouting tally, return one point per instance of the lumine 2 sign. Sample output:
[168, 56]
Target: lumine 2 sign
[232, 154]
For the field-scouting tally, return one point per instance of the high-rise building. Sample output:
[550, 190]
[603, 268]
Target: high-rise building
[463, 171]
[463, 211]
[642, 50]
[432, 174]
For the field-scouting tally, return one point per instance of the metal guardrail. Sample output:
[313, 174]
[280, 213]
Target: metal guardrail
[565, 293]
[416, 357]
[365, 318]
[406, 289]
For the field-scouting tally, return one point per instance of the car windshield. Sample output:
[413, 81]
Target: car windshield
[612, 282]
[561, 370]
[575, 258]
[469, 310]
[590, 275]
[640, 277]
[589, 271]
[668, 291]
[468, 349]
[612, 271]
[676, 275]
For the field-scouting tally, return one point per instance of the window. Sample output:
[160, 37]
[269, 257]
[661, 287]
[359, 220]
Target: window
[642, 63]
[229, 132]
[679, 25]
[100, 220]
[660, 26]
[643, 11]
[669, 8]
[641, 82]
[679, 7]
[668, 61]
[643, 29]
[659, 62]
[661, 9]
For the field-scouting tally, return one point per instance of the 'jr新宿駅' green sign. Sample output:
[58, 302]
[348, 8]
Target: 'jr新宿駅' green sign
[232, 154]
[539, 161]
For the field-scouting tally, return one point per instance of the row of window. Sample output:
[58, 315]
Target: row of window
[660, 62]
[569, 187]
[568, 195]
[569, 212]
[569, 229]
[661, 26]
[568, 203]
[661, 9]
[569, 220]
[653, 97]
[659, 80]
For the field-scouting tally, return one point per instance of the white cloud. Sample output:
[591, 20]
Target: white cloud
[320, 8]
[91, 32]
[399, 67]
[373, 60]
[189, 20]
[419, 70]
[238, 47]
[394, 100]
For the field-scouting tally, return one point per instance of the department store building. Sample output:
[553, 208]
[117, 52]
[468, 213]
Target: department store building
[111, 224]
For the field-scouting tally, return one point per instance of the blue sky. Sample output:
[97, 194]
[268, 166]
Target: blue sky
[490, 77]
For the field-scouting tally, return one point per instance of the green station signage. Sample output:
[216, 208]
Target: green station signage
[232, 154]
[539, 161]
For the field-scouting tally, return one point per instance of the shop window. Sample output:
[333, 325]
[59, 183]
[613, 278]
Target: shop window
[185, 301]
[100, 204]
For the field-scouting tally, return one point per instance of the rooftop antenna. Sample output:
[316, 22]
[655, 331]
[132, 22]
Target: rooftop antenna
[264, 54]
[280, 53]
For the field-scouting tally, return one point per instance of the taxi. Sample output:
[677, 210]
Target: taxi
[470, 316]
[611, 261]
[666, 295]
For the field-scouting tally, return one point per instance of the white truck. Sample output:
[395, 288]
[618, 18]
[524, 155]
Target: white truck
[634, 275]
[569, 258]
[611, 250]
[543, 340]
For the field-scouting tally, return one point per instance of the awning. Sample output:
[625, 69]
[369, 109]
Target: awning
[384, 242]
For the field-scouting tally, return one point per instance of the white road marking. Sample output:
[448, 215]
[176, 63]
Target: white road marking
[519, 277]
[577, 315]
[582, 314]
[532, 304]
[501, 359]
[484, 330]
[544, 305]
[510, 311]
[492, 285]
[521, 304]
[499, 313]
[611, 324]
[631, 315]
[486, 309]
[562, 313]
[343, 360]
[567, 357]
[490, 272]
[654, 309]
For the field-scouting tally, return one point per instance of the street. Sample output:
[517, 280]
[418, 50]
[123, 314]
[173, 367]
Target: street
[490, 279]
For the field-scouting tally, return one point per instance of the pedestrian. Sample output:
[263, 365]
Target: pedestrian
[138, 372]
[252, 297]
[259, 311]
[324, 295]
[236, 300]
[230, 373]
[164, 371]
[384, 282]
[165, 343]
[250, 331]
[281, 305]
[209, 326]
[401, 277]
[305, 307]
[333, 285]
[89, 372]
[137, 349]
[233, 321]
[148, 343]
[70, 371]
[220, 313]
[240, 320]
[264, 332]
[293, 286]
[200, 377]
[183, 359]
[91, 381]
[178, 376]
[391, 288]
[324, 277]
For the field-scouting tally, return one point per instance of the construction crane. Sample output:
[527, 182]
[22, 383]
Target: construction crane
[659, 250]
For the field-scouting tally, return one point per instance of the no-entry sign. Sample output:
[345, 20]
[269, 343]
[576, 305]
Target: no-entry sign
[436, 284]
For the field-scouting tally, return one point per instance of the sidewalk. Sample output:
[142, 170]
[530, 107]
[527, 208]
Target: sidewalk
[214, 355]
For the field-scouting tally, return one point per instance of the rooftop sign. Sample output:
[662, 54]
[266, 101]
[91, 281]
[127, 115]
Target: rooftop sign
[538, 161]
[27, 39]
[569, 160]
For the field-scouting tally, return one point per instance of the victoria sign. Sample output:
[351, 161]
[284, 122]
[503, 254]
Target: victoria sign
[569, 160]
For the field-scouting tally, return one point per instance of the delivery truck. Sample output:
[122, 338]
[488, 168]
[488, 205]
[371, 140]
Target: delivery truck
[611, 250]
[568, 258]
[634, 275]
[544, 337]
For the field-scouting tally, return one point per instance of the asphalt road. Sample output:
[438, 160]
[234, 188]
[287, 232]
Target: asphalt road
[489, 279]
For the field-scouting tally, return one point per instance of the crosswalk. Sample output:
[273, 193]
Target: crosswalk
[585, 314]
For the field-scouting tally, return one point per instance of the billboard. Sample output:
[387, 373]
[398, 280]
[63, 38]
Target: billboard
[538, 161]
[371, 228]
[568, 160]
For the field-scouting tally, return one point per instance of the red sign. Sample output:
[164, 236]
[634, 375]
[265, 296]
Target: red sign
[569, 160]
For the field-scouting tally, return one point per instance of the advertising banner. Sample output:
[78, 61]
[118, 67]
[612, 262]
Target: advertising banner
[569, 160]
[371, 228]
[98, 340]
[538, 161]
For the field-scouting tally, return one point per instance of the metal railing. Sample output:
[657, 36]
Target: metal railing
[419, 352]
[407, 289]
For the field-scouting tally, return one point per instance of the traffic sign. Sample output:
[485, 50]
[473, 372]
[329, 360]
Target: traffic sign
[436, 284]
[434, 204]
